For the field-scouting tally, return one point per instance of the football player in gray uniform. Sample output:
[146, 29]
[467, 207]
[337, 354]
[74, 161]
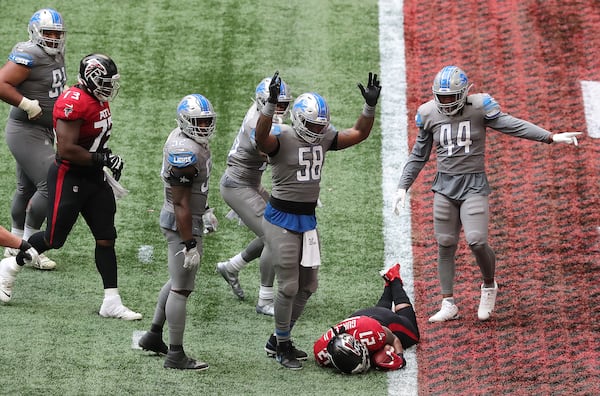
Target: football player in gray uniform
[241, 188]
[297, 156]
[31, 81]
[456, 123]
[185, 172]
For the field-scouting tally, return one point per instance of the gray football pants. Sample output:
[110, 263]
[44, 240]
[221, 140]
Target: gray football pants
[32, 146]
[448, 217]
[249, 203]
[295, 283]
[170, 306]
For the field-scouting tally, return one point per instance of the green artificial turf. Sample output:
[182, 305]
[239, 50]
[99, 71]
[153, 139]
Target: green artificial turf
[52, 341]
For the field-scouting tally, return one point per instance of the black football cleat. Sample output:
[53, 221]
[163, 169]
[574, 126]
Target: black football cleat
[179, 360]
[153, 342]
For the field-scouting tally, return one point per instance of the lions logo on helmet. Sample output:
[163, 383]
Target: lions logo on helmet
[196, 118]
[282, 108]
[41, 23]
[310, 117]
[348, 354]
[98, 74]
[450, 89]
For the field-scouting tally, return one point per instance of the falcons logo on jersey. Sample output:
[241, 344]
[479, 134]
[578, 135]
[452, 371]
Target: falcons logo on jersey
[68, 110]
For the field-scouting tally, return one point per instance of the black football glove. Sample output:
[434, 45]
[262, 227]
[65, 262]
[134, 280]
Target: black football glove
[110, 160]
[115, 163]
[371, 93]
[274, 87]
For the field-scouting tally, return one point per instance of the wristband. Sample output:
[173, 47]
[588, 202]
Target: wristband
[190, 244]
[268, 109]
[550, 139]
[368, 111]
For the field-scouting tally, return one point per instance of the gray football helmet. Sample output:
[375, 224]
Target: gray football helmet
[41, 23]
[196, 118]
[450, 89]
[310, 117]
[284, 99]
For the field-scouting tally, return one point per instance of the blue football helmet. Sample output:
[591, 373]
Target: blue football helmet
[44, 21]
[310, 117]
[452, 82]
[284, 99]
[196, 118]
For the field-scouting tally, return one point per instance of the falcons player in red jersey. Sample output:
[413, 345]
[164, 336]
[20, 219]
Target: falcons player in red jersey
[77, 182]
[391, 325]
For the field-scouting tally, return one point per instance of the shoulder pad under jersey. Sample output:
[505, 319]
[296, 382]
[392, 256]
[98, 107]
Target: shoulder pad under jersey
[486, 103]
[181, 158]
[21, 58]
[423, 111]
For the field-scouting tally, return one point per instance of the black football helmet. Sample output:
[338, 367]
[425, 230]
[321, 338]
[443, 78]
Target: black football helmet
[99, 76]
[348, 354]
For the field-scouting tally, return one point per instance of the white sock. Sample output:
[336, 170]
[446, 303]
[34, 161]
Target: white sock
[450, 300]
[111, 293]
[265, 295]
[29, 232]
[237, 263]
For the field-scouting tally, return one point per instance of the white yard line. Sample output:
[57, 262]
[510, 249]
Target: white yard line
[397, 229]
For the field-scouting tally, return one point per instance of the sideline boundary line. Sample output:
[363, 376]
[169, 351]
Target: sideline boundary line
[394, 151]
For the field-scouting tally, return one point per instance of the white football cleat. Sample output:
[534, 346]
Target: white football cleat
[43, 263]
[267, 309]
[487, 302]
[112, 307]
[449, 311]
[8, 273]
[231, 278]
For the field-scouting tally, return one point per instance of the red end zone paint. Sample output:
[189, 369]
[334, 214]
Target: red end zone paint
[545, 204]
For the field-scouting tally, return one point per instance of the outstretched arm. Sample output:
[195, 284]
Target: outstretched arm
[362, 128]
[266, 142]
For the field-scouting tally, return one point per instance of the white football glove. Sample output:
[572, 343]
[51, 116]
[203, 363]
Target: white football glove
[566, 137]
[191, 258]
[31, 107]
[210, 221]
[399, 200]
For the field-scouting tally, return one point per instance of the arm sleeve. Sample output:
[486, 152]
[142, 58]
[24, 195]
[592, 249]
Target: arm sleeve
[517, 127]
[417, 159]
